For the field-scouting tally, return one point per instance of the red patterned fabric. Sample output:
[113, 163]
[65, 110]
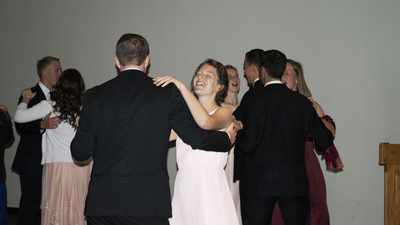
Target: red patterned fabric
[332, 158]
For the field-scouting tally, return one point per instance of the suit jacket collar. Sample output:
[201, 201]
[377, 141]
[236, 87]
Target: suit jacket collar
[132, 72]
[275, 86]
[255, 81]
[132, 68]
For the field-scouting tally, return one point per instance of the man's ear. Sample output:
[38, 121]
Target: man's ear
[43, 74]
[117, 62]
[254, 67]
[263, 75]
[147, 61]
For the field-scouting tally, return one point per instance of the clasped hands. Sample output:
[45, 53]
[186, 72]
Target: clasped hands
[232, 130]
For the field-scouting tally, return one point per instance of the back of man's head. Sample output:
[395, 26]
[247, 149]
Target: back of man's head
[43, 63]
[253, 57]
[274, 63]
[132, 49]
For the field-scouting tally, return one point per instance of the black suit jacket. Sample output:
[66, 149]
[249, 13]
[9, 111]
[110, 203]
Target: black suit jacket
[241, 159]
[125, 123]
[275, 135]
[29, 151]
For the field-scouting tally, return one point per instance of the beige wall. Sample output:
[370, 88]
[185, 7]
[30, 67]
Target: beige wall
[349, 50]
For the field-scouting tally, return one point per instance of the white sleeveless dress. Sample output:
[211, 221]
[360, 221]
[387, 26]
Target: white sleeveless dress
[229, 171]
[201, 194]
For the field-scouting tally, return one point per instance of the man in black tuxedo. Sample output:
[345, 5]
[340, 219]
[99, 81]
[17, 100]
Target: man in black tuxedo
[27, 161]
[274, 133]
[252, 68]
[125, 124]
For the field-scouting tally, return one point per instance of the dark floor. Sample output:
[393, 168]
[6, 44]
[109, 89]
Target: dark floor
[13, 216]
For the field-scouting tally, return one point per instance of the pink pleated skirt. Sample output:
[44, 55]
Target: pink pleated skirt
[64, 191]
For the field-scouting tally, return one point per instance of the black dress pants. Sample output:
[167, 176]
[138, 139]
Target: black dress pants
[243, 206]
[31, 195]
[295, 210]
[125, 220]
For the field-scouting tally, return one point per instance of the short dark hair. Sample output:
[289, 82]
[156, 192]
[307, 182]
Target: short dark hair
[132, 48]
[274, 63]
[44, 62]
[222, 79]
[253, 57]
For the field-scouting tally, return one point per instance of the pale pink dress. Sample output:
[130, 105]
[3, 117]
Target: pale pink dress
[65, 182]
[233, 186]
[201, 194]
[64, 191]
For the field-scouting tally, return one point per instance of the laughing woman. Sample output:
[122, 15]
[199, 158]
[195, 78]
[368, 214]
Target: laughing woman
[201, 194]
[231, 100]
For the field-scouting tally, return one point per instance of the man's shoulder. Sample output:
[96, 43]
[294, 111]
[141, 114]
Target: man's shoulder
[100, 87]
[131, 81]
[294, 94]
[92, 90]
[247, 100]
[252, 94]
[280, 90]
[38, 97]
[289, 97]
[258, 85]
[36, 88]
[36, 85]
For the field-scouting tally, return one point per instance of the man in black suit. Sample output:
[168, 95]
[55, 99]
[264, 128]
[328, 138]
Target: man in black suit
[27, 161]
[274, 133]
[125, 124]
[252, 68]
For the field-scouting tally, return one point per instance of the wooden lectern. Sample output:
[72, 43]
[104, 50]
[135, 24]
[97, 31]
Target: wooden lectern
[389, 155]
